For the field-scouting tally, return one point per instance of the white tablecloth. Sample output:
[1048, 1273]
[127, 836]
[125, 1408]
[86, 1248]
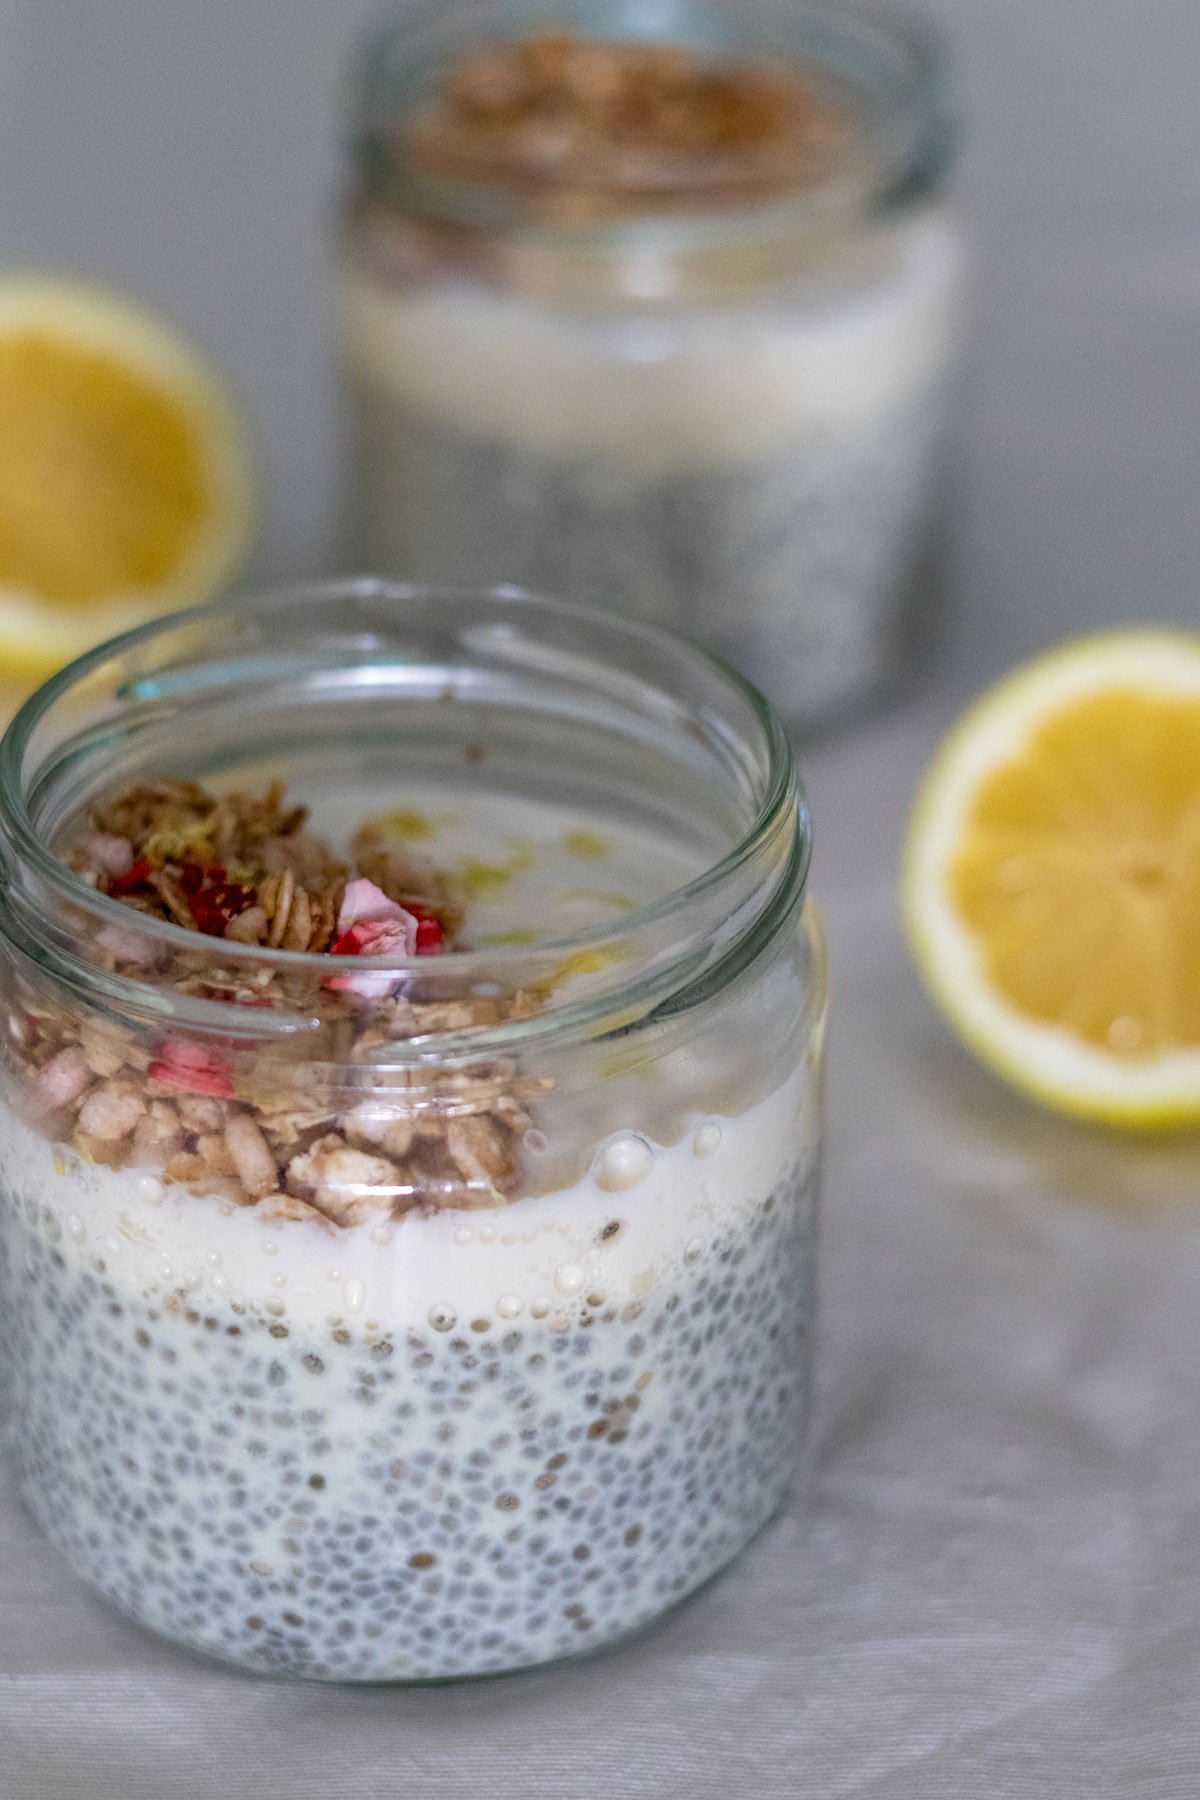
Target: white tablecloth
[992, 1585]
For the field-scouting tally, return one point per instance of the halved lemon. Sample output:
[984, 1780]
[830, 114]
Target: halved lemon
[1051, 882]
[125, 473]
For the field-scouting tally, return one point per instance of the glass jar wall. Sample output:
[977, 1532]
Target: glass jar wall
[661, 372]
[446, 1310]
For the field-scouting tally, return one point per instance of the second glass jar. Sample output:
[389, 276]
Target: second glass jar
[715, 401]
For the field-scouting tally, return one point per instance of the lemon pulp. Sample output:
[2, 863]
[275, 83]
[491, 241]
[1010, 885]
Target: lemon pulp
[103, 488]
[1079, 873]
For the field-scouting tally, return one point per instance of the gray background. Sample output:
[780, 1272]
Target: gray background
[992, 1586]
[189, 150]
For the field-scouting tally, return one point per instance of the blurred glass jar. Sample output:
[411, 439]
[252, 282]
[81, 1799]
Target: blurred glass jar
[710, 389]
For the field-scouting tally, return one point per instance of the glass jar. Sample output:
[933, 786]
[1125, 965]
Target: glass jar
[721, 412]
[453, 1315]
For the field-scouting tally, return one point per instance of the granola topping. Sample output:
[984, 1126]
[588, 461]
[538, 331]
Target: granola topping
[259, 1131]
[584, 128]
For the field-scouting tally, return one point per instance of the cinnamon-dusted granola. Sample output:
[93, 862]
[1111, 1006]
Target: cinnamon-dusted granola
[582, 127]
[257, 1127]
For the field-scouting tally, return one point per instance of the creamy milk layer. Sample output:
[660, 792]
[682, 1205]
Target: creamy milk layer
[528, 869]
[554, 1255]
[655, 397]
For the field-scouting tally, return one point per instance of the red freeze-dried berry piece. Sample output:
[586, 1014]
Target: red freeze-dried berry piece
[134, 877]
[191, 1069]
[212, 899]
[350, 943]
[359, 939]
[430, 937]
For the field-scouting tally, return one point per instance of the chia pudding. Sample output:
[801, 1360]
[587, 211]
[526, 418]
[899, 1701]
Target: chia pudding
[721, 405]
[339, 1340]
[467, 1449]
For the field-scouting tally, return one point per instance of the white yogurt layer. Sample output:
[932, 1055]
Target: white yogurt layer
[707, 386]
[553, 1256]
[528, 869]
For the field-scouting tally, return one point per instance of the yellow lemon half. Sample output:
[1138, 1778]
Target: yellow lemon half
[125, 478]
[1051, 882]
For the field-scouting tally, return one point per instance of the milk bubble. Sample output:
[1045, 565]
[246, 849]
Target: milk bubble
[623, 1162]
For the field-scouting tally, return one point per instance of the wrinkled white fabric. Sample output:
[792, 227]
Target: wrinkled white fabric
[991, 1586]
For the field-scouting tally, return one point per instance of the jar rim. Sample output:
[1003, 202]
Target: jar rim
[781, 805]
[896, 67]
